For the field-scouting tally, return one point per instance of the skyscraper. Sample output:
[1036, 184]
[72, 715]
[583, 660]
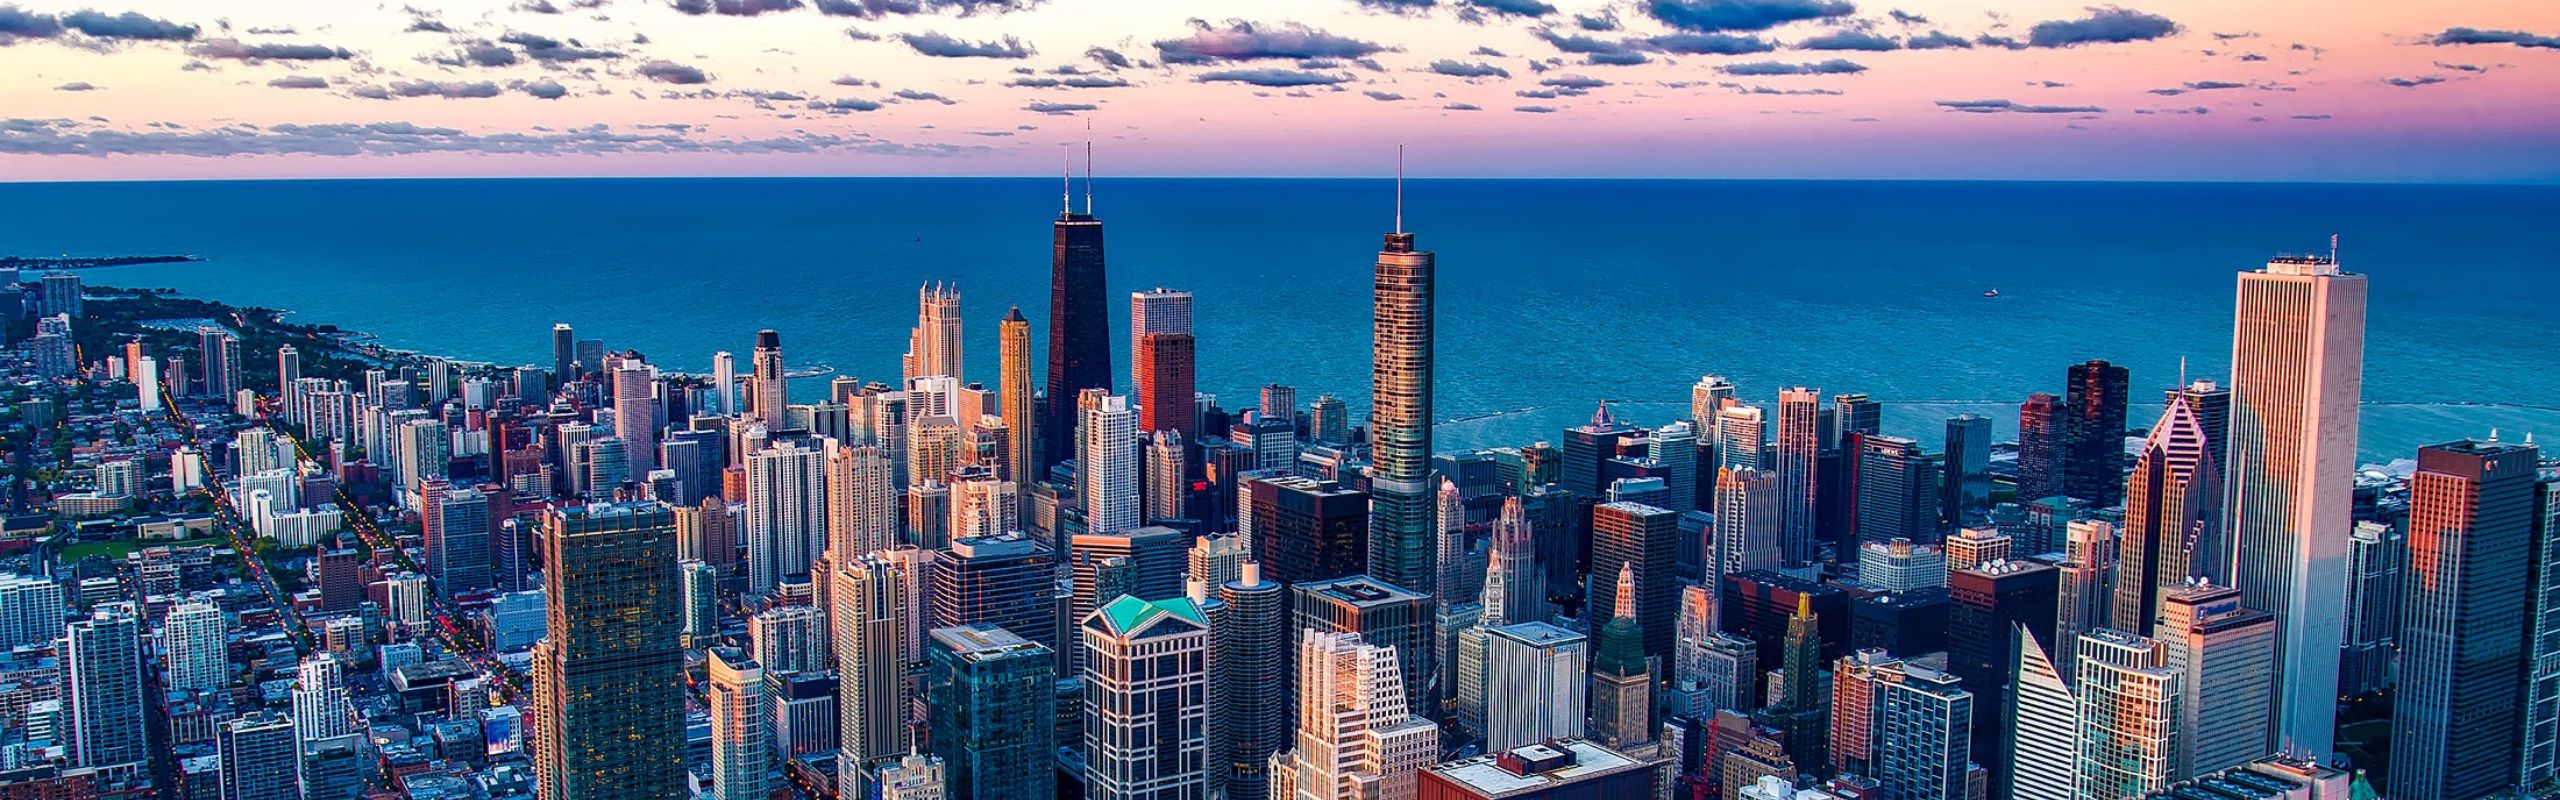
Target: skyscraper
[862, 500]
[608, 681]
[564, 352]
[2093, 436]
[2171, 504]
[194, 636]
[2297, 373]
[1512, 553]
[1747, 534]
[2082, 594]
[1621, 673]
[1356, 737]
[2040, 443]
[1107, 458]
[635, 414]
[741, 752]
[871, 614]
[724, 383]
[771, 399]
[1799, 442]
[102, 657]
[459, 539]
[1015, 397]
[2376, 554]
[1252, 662]
[2128, 696]
[1740, 434]
[261, 758]
[323, 705]
[2225, 655]
[993, 700]
[1079, 328]
[933, 348]
[2465, 621]
[1304, 529]
[220, 351]
[1146, 700]
[1401, 325]
[1645, 539]
[2041, 723]
[1799, 710]
[1006, 581]
[786, 513]
[1537, 672]
[1989, 601]
[1164, 387]
[2542, 696]
[1897, 491]
[1383, 614]
[1966, 478]
[1166, 486]
[1924, 742]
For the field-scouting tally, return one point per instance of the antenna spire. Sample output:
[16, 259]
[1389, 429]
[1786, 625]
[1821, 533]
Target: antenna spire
[2182, 372]
[1066, 182]
[2333, 249]
[1399, 188]
[1088, 166]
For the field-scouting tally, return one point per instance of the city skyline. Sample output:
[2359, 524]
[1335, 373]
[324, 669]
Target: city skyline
[2168, 89]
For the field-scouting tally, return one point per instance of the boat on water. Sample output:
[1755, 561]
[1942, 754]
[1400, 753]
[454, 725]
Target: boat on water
[1991, 292]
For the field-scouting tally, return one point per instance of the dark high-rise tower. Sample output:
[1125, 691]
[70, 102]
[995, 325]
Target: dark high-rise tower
[2039, 447]
[1079, 324]
[2172, 504]
[608, 682]
[564, 353]
[2465, 605]
[2093, 436]
[1400, 529]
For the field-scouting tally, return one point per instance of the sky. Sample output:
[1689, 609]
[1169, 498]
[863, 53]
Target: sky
[2278, 90]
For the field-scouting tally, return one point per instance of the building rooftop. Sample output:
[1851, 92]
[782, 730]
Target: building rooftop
[1360, 591]
[1532, 767]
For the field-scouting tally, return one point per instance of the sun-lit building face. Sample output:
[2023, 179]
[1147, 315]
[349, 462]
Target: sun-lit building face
[2282, 89]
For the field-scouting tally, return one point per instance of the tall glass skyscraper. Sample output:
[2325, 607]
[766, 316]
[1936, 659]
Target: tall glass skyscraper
[1400, 530]
[609, 680]
[2464, 622]
[1079, 328]
[993, 699]
[2297, 372]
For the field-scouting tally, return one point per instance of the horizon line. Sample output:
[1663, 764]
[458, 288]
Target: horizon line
[2516, 182]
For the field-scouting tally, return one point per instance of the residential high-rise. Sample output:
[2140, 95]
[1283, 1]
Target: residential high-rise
[2128, 696]
[1107, 459]
[564, 352]
[1146, 700]
[699, 583]
[635, 414]
[2081, 589]
[2376, 553]
[261, 758]
[2225, 654]
[771, 399]
[1329, 420]
[459, 541]
[609, 679]
[724, 383]
[2040, 423]
[741, 752]
[2541, 748]
[1383, 614]
[871, 614]
[1158, 310]
[1401, 325]
[1279, 402]
[993, 704]
[1924, 737]
[1356, 737]
[1079, 330]
[1015, 397]
[323, 704]
[862, 500]
[220, 351]
[1305, 529]
[102, 658]
[1006, 581]
[1621, 673]
[194, 637]
[2093, 433]
[1645, 539]
[1965, 481]
[1799, 443]
[2297, 373]
[786, 513]
[1167, 487]
[1537, 671]
[2171, 505]
[1740, 436]
[1748, 533]
[2465, 622]
[1249, 648]
[933, 348]
[790, 639]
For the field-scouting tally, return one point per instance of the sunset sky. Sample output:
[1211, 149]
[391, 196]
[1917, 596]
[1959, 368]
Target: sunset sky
[2446, 90]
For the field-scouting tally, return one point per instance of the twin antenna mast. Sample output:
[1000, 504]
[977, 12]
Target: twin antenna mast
[1066, 175]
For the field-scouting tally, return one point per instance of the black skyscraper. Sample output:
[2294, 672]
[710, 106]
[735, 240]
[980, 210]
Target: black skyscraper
[2093, 433]
[1079, 330]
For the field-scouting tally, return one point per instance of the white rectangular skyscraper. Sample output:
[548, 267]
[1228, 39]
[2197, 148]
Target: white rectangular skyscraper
[2297, 371]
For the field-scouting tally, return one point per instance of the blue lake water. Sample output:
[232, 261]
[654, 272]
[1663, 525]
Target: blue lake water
[1554, 293]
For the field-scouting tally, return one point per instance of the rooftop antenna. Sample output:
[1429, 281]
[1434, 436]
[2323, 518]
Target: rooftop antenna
[2333, 249]
[1066, 182]
[1399, 188]
[1088, 166]
[2182, 372]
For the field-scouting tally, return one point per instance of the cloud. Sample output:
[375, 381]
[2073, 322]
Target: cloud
[1246, 41]
[544, 88]
[2312, 117]
[925, 96]
[1849, 39]
[1714, 44]
[1534, 109]
[875, 9]
[545, 48]
[254, 53]
[2473, 68]
[2412, 83]
[1574, 82]
[2107, 25]
[479, 53]
[2004, 42]
[535, 7]
[450, 90]
[1072, 82]
[2004, 106]
[1399, 6]
[844, 104]
[1832, 67]
[2450, 36]
[768, 95]
[55, 137]
[1907, 18]
[1513, 8]
[1462, 107]
[1057, 109]
[1938, 40]
[426, 25]
[18, 24]
[77, 86]
[1273, 77]
[1383, 97]
[128, 25]
[1107, 57]
[734, 8]
[1742, 15]
[1605, 21]
[300, 82]
[941, 46]
[2198, 86]
[672, 72]
[1464, 69]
